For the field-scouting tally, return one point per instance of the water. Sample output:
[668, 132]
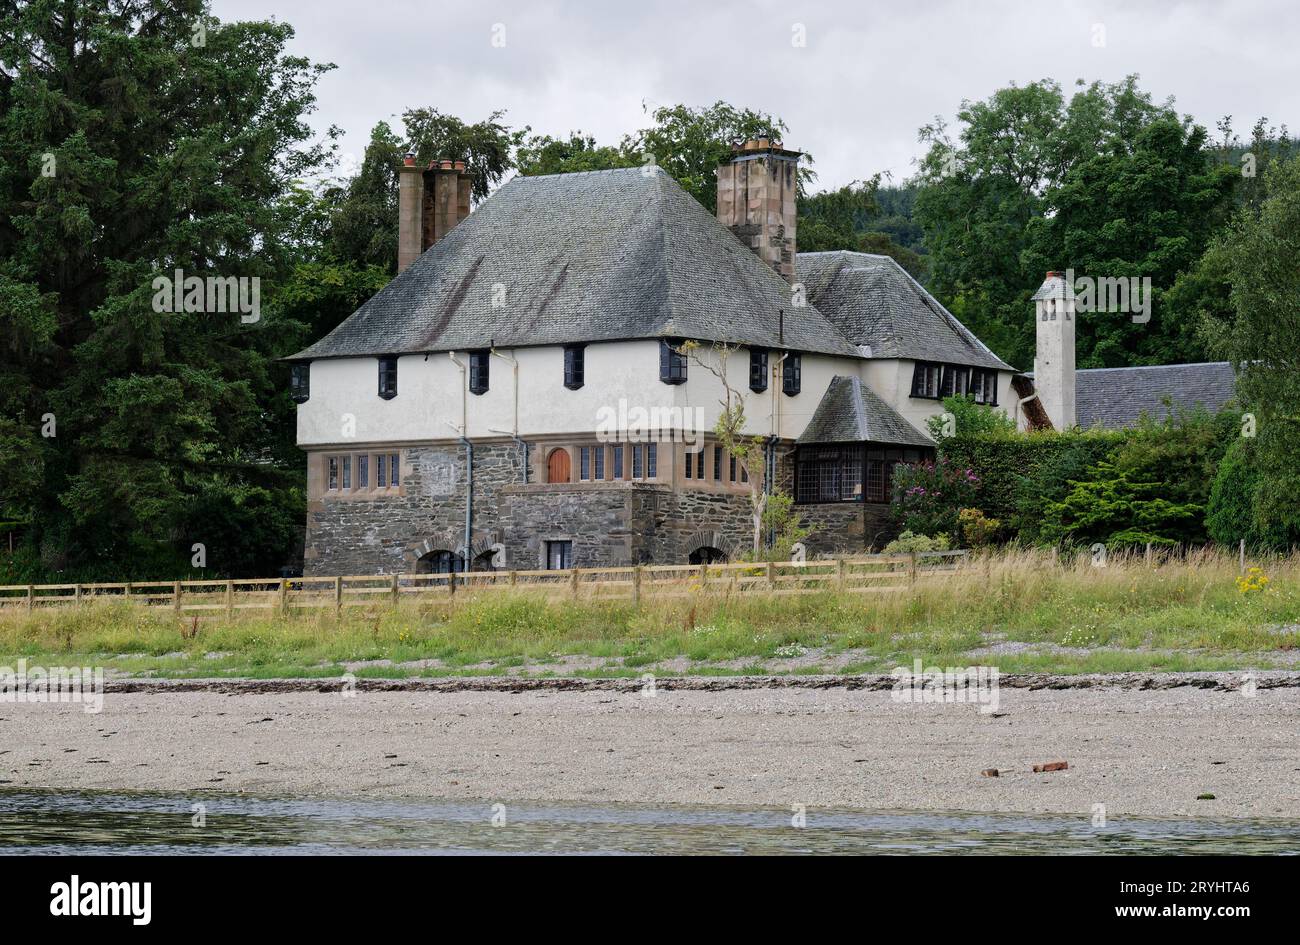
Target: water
[141, 823]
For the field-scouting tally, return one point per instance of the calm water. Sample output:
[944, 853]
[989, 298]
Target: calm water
[93, 822]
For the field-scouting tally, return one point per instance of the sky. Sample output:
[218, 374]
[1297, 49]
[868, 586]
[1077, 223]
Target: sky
[866, 76]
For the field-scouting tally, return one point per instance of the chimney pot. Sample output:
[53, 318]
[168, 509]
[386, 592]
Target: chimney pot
[409, 159]
[1053, 275]
[445, 165]
[459, 165]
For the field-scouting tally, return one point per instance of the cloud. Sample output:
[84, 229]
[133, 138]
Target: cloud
[854, 96]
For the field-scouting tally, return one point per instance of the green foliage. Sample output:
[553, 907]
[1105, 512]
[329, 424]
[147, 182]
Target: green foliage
[1262, 334]
[1117, 510]
[929, 496]
[909, 542]
[542, 154]
[977, 528]
[1234, 511]
[970, 419]
[164, 155]
[1107, 183]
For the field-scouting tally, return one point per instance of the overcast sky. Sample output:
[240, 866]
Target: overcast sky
[870, 74]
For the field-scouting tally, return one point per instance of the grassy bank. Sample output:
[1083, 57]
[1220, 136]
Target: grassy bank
[1017, 610]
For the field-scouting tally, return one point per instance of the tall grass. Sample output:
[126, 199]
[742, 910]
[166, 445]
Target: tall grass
[1187, 604]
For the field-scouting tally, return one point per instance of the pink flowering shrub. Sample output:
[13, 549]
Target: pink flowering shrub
[928, 496]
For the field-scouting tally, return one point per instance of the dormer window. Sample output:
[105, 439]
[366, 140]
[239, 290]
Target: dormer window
[388, 377]
[672, 362]
[478, 371]
[792, 374]
[575, 366]
[757, 370]
[300, 382]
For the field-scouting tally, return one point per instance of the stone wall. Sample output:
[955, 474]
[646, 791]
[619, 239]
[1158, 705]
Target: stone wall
[609, 523]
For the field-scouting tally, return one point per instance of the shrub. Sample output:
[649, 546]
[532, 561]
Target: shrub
[928, 496]
[970, 419]
[1113, 508]
[907, 543]
[976, 528]
[1234, 511]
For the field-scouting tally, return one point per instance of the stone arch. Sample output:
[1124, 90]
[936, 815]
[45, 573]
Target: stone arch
[711, 538]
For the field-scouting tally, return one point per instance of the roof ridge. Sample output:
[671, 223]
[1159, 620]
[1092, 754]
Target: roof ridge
[1156, 367]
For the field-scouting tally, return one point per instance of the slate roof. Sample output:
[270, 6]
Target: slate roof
[1116, 397]
[874, 301]
[602, 255]
[850, 412]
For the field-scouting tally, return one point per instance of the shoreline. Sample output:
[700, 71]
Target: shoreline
[1141, 744]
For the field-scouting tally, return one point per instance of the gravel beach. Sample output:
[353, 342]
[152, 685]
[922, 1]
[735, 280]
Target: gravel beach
[1137, 749]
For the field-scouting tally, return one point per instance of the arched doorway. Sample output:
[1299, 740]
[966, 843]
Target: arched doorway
[484, 561]
[439, 562]
[706, 554]
[557, 465]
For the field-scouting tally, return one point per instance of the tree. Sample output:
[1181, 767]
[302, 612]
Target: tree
[542, 154]
[1262, 337]
[138, 137]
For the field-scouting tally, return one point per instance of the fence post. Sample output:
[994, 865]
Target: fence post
[771, 575]
[911, 570]
[573, 580]
[841, 569]
[176, 596]
[704, 573]
[230, 599]
[338, 594]
[126, 591]
[636, 584]
[451, 583]
[1242, 556]
[514, 578]
[394, 591]
[31, 597]
[1148, 555]
[284, 595]
[76, 593]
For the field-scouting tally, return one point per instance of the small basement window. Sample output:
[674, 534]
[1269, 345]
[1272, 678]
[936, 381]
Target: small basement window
[559, 555]
[388, 377]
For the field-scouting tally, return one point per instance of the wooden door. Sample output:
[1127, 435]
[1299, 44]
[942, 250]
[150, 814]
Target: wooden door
[557, 466]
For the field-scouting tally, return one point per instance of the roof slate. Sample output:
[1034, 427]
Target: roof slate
[850, 412]
[874, 301]
[1116, 397]
[569, 258]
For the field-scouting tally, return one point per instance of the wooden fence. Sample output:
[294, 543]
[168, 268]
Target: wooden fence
[863, 575]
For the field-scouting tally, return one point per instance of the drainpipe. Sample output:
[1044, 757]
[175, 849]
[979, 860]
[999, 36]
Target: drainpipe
[469, 455]
[1020, 403]
[514, 429]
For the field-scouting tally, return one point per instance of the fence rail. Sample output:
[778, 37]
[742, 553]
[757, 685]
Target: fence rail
[870, 574]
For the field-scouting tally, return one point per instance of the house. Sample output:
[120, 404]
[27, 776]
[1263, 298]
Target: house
[1109, 398]
[519, 397]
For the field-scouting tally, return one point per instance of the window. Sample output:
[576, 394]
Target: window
[333, 462]
[439, 562]
[559, 555]
[733, 469]
[300, 382]
[618, 460]
[379, 470]
[575, 367]
[717, 463]
[984, 387]
[757, 370]
[584, 462]
[690, 460]
[363, 472]
[388, 377]
[395, 470]
[638, 468]
[478, 371]
[829, 474]
[791, 374]
[338, 471]
[925, 380]
[672, 363]
[599, 452]
[347, 472]
[651, 459]
[956, 381]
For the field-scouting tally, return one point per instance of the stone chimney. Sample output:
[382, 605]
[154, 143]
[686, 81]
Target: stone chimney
[1054, 354]
[756, 200]
[430, 202]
